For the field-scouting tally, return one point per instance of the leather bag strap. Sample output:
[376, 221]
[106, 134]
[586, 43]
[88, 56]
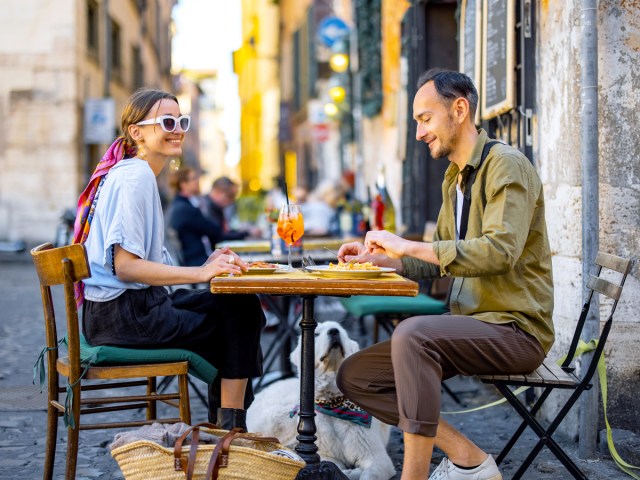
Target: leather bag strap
[221, 460]
[466, 203]
[178, 464]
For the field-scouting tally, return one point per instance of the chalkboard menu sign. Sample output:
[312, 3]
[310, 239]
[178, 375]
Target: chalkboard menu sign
[470, 42]
[498, 57]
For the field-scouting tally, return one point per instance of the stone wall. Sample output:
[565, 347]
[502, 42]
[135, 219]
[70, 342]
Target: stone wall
[45, 76]
[37, 96]
[558, 148]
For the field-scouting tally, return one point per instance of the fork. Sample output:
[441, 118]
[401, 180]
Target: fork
[353, 260]
[307, 262]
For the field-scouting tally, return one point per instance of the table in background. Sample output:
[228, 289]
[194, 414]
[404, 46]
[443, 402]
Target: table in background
[309, 286]
[308, 244]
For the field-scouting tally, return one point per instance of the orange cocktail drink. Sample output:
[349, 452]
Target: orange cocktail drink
[290, 225]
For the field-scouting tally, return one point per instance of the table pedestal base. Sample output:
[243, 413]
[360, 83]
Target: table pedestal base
[321, 471]
[307, 448]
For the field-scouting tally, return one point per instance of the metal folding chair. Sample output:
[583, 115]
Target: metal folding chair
[550, 376]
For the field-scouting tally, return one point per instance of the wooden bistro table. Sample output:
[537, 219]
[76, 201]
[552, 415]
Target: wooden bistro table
[309, 286]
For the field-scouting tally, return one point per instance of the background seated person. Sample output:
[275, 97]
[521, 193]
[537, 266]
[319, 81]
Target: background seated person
[186, 218]
[319, 209]
[217, 206]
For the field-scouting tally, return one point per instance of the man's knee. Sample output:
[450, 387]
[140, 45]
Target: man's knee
[346, 374]
[405, 333]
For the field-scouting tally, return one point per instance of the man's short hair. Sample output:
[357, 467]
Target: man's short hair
[180, 176]
[224, 184]
[451, 85]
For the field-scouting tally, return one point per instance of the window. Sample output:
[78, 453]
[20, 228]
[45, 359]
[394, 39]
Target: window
[514, 126]
[137, 69]
[116, 52]
[430, 36]
[93, 34]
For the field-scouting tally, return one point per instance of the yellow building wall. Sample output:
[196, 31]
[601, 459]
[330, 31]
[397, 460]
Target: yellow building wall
[392, 13]
[256, 64]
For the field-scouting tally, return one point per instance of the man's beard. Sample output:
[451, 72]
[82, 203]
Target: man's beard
[446, 145]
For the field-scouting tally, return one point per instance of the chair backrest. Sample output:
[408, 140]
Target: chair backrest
[608, 288]
[61, 266]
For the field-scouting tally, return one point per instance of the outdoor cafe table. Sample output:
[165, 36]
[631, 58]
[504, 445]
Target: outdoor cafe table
[309, 286]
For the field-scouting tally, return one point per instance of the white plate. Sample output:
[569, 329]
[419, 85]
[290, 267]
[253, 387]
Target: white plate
[260, 271]
[325, 271]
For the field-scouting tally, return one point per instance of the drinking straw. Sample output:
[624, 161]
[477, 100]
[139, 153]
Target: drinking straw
[286, 193]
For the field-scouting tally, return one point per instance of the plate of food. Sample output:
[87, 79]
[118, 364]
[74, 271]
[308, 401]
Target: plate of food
[350, 270]
[261, 268]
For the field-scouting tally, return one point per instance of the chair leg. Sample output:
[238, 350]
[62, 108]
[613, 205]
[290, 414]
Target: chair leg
[544, 434]
[452, 394]
[52, 437]
[185, 411]
[200, 395]
[363, 328]
[152, 412]
[73, 435]
[72, 452]
[523, 426]
[376, 330]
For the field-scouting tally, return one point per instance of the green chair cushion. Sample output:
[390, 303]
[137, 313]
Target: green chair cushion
[107, 355]
[421, 304]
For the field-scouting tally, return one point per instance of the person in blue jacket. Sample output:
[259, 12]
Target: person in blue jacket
[197, 234]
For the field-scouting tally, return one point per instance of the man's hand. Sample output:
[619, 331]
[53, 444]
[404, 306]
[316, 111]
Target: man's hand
[357, 252]
[351, 250]
[386, 243]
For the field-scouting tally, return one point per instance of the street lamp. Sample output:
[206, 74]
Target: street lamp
[339, 62]
[331, 110]
[337, 93]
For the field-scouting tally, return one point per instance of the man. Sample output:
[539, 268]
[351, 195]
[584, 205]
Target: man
[502, 294]
[187, 220]
[221, 197]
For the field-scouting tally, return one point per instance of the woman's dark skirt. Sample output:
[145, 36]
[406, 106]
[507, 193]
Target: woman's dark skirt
[224, 329]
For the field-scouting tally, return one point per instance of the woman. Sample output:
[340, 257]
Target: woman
[121, 223]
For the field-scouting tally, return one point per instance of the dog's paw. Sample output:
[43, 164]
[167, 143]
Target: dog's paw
[353, 473]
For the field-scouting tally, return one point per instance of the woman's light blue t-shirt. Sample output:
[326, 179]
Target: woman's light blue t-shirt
[128, 213]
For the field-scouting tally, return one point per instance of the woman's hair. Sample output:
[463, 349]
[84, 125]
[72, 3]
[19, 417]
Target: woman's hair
[138, 106]
[179, 177]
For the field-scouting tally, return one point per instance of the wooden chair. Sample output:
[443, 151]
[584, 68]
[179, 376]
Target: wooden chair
[387, 312]
[550, 376]
[64, 266]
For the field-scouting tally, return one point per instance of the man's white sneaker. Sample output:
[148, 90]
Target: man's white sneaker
[487, 470]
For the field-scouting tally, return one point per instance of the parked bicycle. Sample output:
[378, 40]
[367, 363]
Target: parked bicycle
[64, 229]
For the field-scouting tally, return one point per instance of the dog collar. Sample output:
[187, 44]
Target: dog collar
[339, 407]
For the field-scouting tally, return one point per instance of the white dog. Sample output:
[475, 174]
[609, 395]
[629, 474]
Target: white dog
[358, 450]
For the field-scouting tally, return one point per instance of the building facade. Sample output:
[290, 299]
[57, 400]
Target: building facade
[544, 120]
[541, 115]
[257, 64]
[59, 60]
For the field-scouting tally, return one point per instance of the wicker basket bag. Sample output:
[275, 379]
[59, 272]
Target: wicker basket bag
[144, 460]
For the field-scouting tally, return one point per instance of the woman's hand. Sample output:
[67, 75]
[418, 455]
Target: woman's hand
[219, 263]
[223, 251]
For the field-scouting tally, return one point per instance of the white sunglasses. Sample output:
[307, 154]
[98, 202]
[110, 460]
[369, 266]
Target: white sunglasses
[169, 123]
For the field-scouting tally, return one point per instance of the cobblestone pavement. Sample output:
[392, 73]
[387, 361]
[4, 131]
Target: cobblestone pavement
[23, 419]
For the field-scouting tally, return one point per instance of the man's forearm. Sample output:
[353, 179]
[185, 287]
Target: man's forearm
[423, 251]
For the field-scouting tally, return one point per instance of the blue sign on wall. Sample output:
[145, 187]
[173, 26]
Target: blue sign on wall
[331, 30]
